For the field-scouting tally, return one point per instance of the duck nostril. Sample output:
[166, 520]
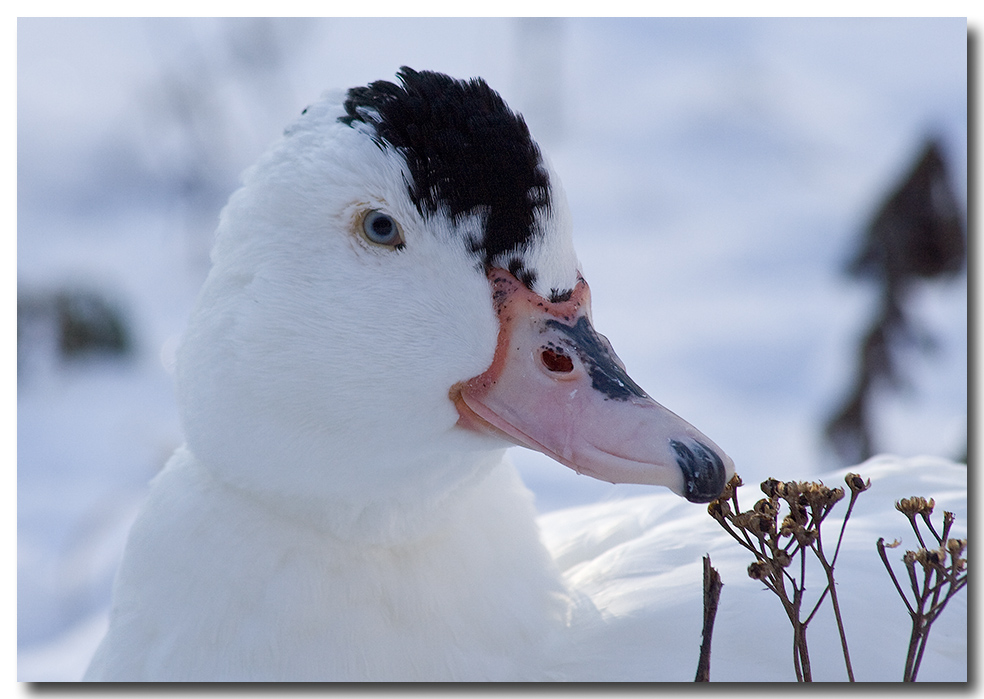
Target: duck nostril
[557, 362]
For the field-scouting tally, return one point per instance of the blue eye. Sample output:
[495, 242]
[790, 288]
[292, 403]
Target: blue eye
[382, 229]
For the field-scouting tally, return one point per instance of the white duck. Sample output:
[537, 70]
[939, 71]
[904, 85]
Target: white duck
[394, 300]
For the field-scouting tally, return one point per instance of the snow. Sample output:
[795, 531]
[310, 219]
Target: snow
[718, 173]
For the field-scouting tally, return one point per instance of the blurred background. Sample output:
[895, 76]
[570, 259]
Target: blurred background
[771, 215]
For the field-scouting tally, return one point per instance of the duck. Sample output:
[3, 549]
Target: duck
[394, 301]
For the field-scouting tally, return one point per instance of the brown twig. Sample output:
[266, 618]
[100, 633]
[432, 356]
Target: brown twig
[712, 593]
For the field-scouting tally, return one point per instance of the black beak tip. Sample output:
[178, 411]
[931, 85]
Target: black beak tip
[704, 474]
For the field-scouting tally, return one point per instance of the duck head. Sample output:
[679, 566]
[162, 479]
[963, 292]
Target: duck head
[394, 300]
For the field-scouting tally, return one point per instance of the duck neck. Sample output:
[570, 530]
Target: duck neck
[477, 574]
[442, 493]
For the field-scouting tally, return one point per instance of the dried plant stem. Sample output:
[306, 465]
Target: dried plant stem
[917, 644]
[801, 654]
[881, 552]
[712, 593]
[776, 547]
[920, 630]
[922, 621]
[828, 569]
[943, 575]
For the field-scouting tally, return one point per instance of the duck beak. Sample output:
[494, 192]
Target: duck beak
[555, 385]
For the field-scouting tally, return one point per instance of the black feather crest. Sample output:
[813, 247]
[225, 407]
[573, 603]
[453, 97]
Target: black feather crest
[466, 151]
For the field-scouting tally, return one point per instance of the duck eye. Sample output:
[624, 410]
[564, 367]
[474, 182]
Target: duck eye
[556, 362]
[382, 229]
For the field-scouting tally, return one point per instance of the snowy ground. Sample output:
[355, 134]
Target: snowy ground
[719, 173]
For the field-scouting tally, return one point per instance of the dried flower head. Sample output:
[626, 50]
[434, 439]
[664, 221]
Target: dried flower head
[808, 493]
[789, 491]
[770, 488]
[731, 487]
[929, 559]
[790, 525]
[719, 510]
[766, 507]
[798, 514]
[758, 525]
[856, 483]
[782, 558]
[819, 497]
[759, 570]
[742, 520]
[956, 546]
[915, 505]
[805, 537]
[763, 525]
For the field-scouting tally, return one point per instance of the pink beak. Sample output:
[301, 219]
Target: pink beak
[556, 386]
